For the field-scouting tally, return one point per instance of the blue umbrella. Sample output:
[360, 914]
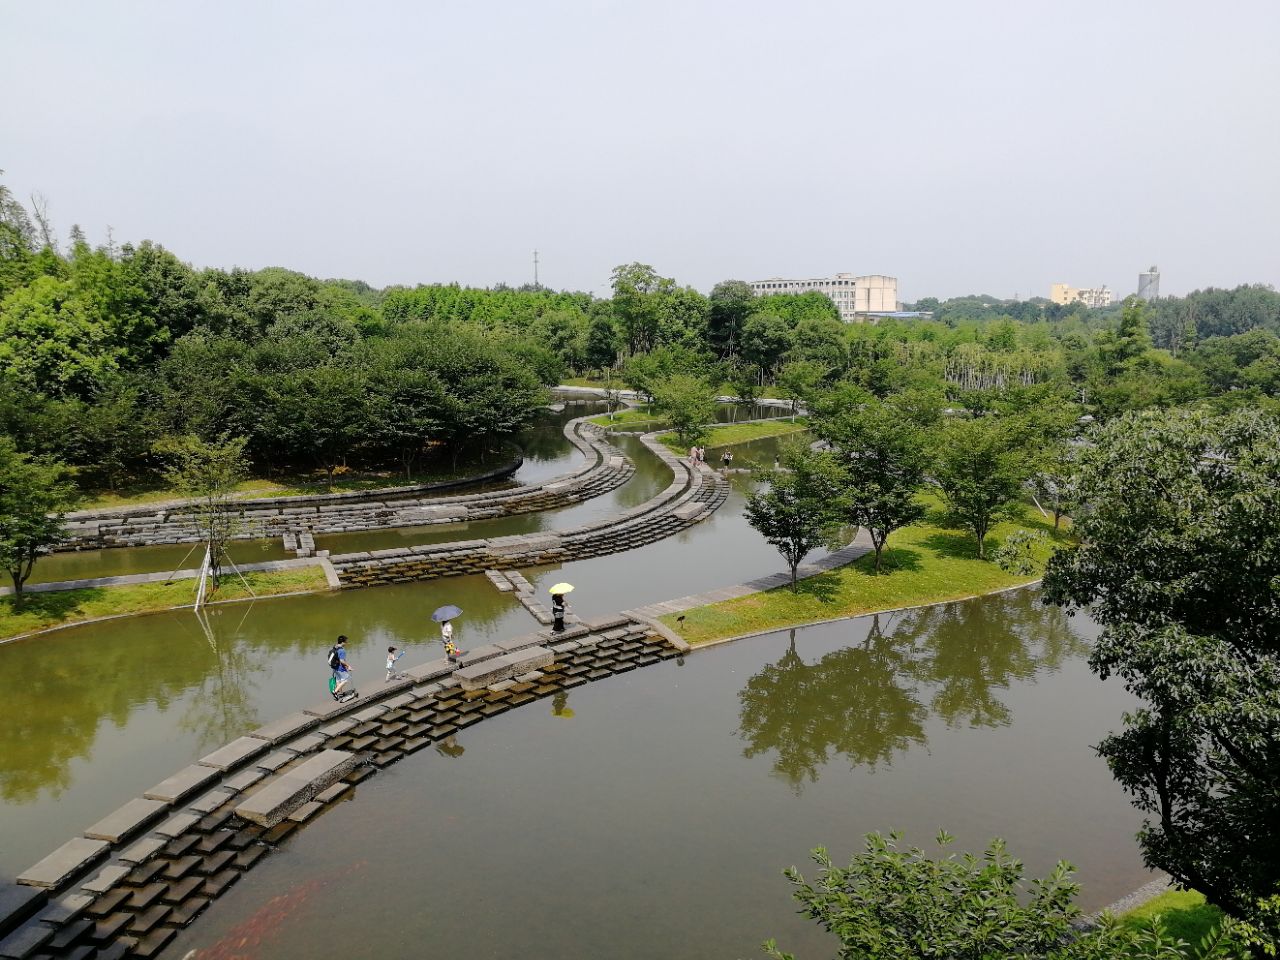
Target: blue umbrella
[447, 612]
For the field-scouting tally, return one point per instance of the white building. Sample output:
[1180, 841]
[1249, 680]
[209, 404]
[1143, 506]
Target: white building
[853, 296]
[1092, 297]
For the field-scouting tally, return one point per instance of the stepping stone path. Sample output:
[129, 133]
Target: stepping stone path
[298, 519]
[162, 859]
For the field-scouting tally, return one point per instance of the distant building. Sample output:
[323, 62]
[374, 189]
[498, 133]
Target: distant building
[1149, 284]
[854, 297]
[1062, 294]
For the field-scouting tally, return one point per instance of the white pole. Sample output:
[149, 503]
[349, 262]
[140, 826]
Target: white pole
[204, 578]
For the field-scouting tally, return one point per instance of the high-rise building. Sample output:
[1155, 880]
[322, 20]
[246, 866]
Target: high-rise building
[1064, 294]
[1149, 284]
[854, 297]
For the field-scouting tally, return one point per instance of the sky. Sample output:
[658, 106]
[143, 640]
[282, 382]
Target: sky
[962, 147]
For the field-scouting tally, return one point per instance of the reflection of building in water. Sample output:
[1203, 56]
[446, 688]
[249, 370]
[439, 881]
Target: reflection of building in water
[1063, 294]
[1149, 284]
[854, 297]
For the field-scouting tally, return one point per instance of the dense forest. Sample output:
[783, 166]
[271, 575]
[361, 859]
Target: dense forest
[107, 350]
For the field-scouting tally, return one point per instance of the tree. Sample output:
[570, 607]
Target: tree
[766, 338]
[1179, 561]
[208, 473]
[798, 380]
[793, 513]
[980, 467]
[883, 459]
[892, 904]
[34, 494]
[687, 403]
[731, 302]
[636, 289]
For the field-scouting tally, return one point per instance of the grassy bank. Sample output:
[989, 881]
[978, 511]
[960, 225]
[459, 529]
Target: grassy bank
[1185, 914]
[40, 611]
[731, 433]
[630, 417]
[926, 563]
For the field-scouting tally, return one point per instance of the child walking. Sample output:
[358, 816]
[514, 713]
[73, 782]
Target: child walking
[393, 655]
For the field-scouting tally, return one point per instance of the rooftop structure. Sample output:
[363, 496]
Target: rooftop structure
[854, 297]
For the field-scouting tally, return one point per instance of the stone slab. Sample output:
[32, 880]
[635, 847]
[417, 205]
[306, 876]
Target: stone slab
[244, 779]
[107, 878]
[69, 859]
[18, 903]
[177, 825]
[143, 850]
[521, 642]
[481, 675]
[234, 753]
[129, 819]
[281, 796]
[285, 727]
[62, 910]
[305, 744]
[607, 622]
[689, 511]
[183, 783]
[24, 942]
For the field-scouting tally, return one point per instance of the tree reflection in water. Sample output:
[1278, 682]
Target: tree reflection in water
[868, 702]
[223, 707]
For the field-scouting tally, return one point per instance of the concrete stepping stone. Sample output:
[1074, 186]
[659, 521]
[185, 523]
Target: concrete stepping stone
[281, 796]
[25, 941]
[18, 903]
[481, 675]
[235, 752]
[285, 727]
[183, 783]
[69, 859]
[129, 819]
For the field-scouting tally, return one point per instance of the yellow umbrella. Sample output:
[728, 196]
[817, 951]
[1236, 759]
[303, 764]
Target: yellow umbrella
[561, 588]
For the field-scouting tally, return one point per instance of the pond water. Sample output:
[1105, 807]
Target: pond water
[650, 814]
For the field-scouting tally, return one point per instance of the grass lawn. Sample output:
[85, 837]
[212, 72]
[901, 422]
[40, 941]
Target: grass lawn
[1184, 912]
[349, 481]
[56, 608]
[731, 433]
[926, 563]
[628, 417]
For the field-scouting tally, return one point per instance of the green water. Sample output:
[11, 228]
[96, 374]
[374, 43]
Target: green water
[650, 814]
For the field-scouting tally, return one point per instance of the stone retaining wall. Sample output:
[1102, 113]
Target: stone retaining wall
[139, 875]
[367, 510]
[694, 494]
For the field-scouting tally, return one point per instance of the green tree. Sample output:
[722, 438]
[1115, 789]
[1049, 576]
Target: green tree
[731, 302]
[34, 495]
[687, 403]
[766, 339]
[980, 466]
[208, 473]
[793, 513]
[799, 380]
[893, 904]
[1179, 561]
[883, 459]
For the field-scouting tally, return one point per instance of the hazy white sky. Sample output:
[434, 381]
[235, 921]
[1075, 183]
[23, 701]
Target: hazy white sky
[961, 146]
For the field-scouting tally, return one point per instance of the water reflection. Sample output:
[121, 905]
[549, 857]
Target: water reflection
[223, 705]
[870, 701]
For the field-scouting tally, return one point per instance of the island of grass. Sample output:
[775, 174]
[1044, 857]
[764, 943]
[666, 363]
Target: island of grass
[732, 433]
[632, 418]
[46, 610]
[1184, 913]
[929, 562]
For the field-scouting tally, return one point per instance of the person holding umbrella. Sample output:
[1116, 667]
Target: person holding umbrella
[444, 616]
[557, 605]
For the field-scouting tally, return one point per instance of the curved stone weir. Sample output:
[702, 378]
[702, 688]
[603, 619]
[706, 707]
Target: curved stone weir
[694, 494]
[270, 517]
[140, 874]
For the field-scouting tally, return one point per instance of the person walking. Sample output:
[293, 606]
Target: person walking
[393, 656]
[557, 612]
[340, 667]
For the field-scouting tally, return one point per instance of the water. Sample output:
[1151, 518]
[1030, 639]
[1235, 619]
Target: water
[651, 814]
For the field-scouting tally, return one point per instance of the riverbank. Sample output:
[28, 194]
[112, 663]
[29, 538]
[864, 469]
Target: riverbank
[923, 564]
[63, 608]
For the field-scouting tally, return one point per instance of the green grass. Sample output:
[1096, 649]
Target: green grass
[926, 563]
[628, 417]
[1184, 912]
[584, 382]
[61, 607]
[731, 433]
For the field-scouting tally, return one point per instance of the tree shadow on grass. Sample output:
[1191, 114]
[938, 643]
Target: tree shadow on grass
[825, 588]
[892, 560]
[954, 544]
[55, 605]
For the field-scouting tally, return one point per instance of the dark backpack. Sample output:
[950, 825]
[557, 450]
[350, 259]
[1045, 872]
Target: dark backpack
[335, 658]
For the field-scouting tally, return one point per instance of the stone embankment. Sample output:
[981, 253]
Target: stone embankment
[142, 873]
[270, 517]
[694, 494]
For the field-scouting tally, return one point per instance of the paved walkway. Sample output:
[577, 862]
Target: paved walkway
[860, 547]
[160, 577]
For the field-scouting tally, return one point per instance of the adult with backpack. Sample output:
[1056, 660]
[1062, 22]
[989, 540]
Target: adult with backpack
[341, 669]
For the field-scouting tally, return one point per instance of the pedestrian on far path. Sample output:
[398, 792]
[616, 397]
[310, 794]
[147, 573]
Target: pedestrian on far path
[693, 455]
[702, 455]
